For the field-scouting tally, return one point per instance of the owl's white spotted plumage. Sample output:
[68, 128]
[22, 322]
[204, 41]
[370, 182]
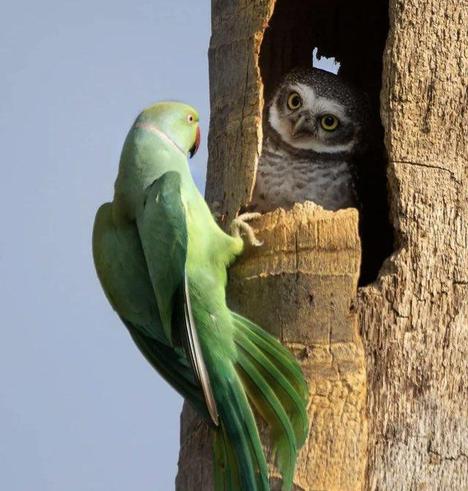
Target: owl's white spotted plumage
[313, 133]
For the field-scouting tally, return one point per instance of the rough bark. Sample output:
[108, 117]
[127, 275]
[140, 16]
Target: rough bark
[302, 283]
[415, 318]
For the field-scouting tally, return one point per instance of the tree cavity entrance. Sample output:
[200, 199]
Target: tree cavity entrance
[349, 36]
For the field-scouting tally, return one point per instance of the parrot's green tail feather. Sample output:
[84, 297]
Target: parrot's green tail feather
[226, 473]
[240, 461]
[277, 353]
[276, 387]
[222, 467]
[270, 408]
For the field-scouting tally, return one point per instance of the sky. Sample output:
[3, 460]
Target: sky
[80, 409]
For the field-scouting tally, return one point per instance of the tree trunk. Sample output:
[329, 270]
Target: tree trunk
[415, 318]
[386, 363]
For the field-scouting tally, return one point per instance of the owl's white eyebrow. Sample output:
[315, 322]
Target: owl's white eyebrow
[324, 105]
[320, 104]
[307, 93]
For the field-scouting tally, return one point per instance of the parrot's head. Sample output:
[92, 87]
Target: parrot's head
[177, 121]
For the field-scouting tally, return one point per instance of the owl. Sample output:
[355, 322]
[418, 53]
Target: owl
[313, 133]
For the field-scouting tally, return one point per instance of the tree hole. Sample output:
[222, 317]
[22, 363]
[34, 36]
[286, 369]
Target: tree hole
[348, 38]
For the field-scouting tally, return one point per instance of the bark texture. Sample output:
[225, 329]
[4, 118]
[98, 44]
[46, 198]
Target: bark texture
[388, 411]
[415, 318]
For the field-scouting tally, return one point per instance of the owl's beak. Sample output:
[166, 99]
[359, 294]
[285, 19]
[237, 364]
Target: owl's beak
[301, 126]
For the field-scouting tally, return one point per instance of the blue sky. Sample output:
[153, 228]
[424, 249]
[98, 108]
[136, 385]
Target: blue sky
[80, 409]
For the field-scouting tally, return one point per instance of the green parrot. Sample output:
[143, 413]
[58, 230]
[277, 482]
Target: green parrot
[162, 261]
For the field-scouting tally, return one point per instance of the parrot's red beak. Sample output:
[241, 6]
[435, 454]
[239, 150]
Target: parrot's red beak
[194, 149]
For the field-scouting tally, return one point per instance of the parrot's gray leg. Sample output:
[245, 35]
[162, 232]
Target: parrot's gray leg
[239, 225]
[215, 208]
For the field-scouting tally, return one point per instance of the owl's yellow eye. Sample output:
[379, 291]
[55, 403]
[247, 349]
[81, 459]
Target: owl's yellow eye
[329, 122]
[294, 101]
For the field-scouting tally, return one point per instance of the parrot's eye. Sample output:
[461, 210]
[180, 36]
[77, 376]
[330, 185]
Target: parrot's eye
[294, 101]
[190, 118]
[329, 122]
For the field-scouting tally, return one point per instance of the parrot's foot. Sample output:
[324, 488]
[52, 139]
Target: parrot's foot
[239, 225]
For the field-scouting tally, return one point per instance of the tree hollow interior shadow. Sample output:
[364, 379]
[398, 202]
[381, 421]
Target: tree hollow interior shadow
[355, 35]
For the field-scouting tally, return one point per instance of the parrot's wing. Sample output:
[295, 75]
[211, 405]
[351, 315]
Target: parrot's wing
[164, 237]
[123, 273]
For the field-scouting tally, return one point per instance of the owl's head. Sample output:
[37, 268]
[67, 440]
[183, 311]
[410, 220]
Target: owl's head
[314, 110]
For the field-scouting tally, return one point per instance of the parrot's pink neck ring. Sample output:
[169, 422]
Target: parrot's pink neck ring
[156, 131]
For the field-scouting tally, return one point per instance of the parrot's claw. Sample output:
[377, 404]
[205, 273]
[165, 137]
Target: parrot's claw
[239, 225]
